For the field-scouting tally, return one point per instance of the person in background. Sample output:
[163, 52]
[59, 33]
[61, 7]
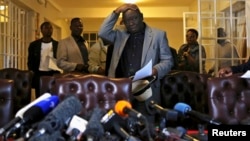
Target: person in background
[73, 51]
[39, 52]
[226, 49]
[97, 56]
[188, 53]
[134, 47]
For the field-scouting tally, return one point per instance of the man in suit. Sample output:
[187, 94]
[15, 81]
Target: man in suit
[134, 47]
[72, 53]
[39, 52]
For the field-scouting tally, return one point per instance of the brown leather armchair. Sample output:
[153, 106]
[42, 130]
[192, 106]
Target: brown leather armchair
[47, 83]
[229, 99]
[6, 101]
[22, 84]
[94, 90]
[187, 87]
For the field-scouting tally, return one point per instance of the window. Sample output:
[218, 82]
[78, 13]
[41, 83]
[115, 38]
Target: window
[13, 35]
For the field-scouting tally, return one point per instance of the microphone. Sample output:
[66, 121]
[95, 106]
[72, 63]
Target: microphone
[57, 118]
[112, 122]
[168, 114]
[24, 109]
[185, 109]
[55, 136]
[184, 134]
[36, 113]
[76, 127]
[94, 130]
[124, 109]
[19, 114]
[119, 130]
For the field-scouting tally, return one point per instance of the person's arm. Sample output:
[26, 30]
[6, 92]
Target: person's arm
[165, 57]
[242, 68]
[106, 31]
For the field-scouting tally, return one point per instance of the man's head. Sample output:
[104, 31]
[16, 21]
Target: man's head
[76, 27]
[192, 36]
[46, 29]
[133, 19]
[221, 34]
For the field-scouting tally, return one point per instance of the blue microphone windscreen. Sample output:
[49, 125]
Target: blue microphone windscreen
[48, 104]
[66, 109]
[182, 108]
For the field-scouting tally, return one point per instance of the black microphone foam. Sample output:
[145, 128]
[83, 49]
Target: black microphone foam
[125, 135]
[94, 128]
[56, 136]
[56, 119]
[168, 114]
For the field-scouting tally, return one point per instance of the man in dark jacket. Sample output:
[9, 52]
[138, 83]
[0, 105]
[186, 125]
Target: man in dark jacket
[39, 53]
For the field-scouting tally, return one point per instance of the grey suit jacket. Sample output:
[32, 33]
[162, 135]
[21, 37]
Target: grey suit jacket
[155, 46]
[69, 54]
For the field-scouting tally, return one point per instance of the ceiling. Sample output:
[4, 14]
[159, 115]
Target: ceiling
[99, 9]
[115, 3]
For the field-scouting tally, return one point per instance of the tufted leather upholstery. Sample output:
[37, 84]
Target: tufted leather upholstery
[94, 90]
[22, 84]
[229, 99]
[6, 101]
[47, 83]
[185, 86]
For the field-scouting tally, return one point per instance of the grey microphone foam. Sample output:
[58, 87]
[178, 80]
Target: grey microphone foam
[56, 119]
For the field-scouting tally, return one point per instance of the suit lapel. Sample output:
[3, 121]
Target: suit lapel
[146, 44]
[75, 46]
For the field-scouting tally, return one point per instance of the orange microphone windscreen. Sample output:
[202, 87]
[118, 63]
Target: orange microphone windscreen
[120, 105]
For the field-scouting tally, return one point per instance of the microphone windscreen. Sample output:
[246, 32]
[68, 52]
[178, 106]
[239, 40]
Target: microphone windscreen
[182, 108]
[111, 118]
[94, 127]
[33, 114]
[55, 136]
[24, 109]
[182, 130]
[48, 104]
[56, 119]
[120, 106]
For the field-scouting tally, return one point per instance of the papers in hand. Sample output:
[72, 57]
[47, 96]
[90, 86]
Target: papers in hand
[246, 75]
[144, 72]
[53, 65]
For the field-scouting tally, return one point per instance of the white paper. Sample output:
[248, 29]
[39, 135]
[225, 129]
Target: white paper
[53, 66]
[143, 72]
[246, 75]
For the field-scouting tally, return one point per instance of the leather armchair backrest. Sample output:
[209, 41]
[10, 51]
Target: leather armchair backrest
[47, 83]
[95, 90]
[229, 99]
[187, 87]
[6, 101]
[184, 86]
[22, 84]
